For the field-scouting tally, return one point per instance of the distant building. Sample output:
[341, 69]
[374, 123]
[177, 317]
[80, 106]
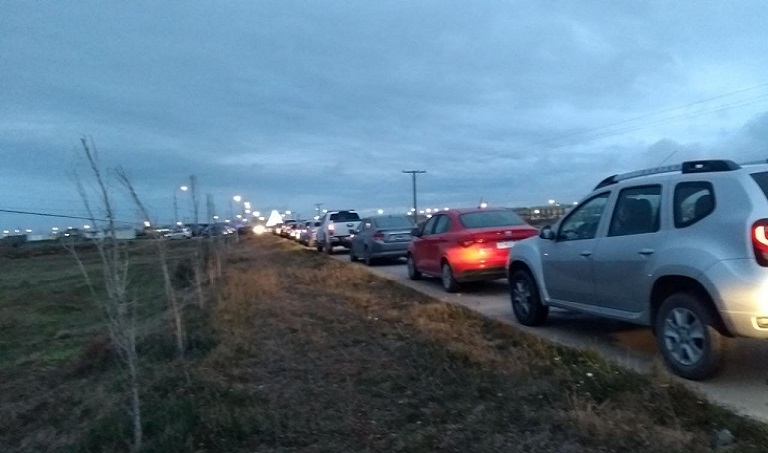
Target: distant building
[542, 215]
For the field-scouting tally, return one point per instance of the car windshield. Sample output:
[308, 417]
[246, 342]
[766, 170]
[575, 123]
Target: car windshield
[393, 222]
[487, 219]
[344, 216]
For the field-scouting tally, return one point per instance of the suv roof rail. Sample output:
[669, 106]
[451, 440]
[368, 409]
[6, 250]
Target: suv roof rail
[693, 166]
[705, 166]
[756, 162]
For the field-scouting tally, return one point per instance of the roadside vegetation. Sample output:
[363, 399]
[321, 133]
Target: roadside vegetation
[295, 351]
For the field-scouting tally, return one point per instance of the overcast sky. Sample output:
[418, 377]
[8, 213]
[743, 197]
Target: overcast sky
[294, 103]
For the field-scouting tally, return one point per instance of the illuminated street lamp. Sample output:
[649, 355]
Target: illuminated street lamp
[147, 224]
[380, 211]
[176, 203]
[483, 205]
[237, 198]
[551, 201]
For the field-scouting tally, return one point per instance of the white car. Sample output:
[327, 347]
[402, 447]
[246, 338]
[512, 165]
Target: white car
[180, 233]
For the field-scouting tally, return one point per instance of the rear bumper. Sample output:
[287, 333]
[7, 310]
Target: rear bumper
[389, 249]
[739, 289]
[342, 241]
[486, 273]
[474, 263]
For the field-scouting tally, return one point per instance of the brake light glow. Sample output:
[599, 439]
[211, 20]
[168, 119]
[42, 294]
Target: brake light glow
[379, 235]
[760, 241]
[331, 227]
[466, 242]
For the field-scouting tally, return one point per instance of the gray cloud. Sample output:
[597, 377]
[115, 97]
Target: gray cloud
[292, 103]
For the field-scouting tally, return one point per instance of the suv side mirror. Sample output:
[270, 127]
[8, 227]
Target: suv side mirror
[353, 231]
[416, 232]
[547, 233]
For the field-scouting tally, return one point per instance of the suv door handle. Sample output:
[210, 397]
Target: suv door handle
[646, 252]
[585, 254]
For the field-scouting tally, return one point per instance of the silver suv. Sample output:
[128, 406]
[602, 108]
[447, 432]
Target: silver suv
[681, 248]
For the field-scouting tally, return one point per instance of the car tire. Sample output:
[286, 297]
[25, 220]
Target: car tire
[328, 248]
[319, 247]
[687, 336]
[369, 260]
[450, 285]
[413, 272]
[526, 300]
[352, 256]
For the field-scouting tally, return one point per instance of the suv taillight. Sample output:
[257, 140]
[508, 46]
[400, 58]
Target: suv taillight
[760, 241]
[331, 227]
[379, 235]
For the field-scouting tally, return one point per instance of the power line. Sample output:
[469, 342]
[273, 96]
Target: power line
[587, 133]
[61, 216]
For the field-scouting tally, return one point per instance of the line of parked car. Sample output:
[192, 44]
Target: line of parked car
[682, 249]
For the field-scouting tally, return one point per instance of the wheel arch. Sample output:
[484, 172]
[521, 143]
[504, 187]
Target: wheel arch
[667, 285]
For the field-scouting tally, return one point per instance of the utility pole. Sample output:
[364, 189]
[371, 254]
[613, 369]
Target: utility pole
[175, 209]
[193, 191]
[209, 205]
[413, 174]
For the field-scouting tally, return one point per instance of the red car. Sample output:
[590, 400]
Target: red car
[463, 245]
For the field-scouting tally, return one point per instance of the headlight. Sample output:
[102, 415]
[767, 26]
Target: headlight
[259, 229]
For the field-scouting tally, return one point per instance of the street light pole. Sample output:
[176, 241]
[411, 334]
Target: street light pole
[413, 174]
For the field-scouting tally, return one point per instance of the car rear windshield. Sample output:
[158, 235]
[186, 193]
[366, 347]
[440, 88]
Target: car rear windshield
[762, 180]
[393, 222]
[487, 219]
[344, 216]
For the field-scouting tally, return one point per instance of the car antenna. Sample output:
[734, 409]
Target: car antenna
[667, 158]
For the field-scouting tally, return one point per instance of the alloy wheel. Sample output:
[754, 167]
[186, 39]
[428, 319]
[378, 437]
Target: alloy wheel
[684, 336]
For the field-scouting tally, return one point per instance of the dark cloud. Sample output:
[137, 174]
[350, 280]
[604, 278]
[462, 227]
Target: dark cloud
[293, 103]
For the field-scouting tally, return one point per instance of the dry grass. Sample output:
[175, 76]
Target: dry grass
[303, 353]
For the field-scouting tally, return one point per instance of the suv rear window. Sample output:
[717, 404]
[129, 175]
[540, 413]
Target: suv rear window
[486, 219]
[344, 216]
[762, 180]
[692, 202]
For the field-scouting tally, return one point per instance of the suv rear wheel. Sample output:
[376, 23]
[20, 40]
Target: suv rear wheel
[525, 299]
[329, 248]
[687, 337]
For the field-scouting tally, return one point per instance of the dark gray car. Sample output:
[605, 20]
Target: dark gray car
[382, 236]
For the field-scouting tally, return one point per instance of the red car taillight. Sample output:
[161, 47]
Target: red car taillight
[331, 227]
[466, 242]
[760, 241]
[378, 236]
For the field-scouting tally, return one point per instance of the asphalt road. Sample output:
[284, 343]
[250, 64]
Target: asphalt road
[742, 385]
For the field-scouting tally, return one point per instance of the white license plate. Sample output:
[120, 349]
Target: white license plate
[505, 244]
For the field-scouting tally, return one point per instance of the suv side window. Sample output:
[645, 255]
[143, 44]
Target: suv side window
[637, 211]
[427, 230]
[365, 224]
[583, 221]
[692, 202]
[442, 224]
